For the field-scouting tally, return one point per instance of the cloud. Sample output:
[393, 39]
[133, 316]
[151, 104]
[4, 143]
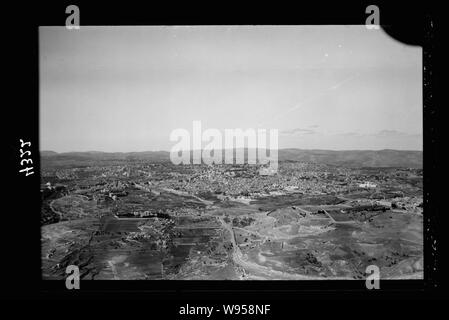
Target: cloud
[298, 131]
[380, 134]
[381, 137]
[395, 134]
[390, 133]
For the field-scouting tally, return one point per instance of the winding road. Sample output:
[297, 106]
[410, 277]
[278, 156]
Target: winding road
[260, 270]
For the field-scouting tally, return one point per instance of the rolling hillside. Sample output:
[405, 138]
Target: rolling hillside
[350, 158]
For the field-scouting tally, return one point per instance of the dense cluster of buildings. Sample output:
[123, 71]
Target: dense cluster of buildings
[242, 182]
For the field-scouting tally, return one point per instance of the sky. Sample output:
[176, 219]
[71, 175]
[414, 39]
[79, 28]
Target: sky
[122, 89]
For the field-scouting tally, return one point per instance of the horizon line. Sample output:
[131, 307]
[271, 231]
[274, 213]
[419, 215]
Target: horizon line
[279, 149]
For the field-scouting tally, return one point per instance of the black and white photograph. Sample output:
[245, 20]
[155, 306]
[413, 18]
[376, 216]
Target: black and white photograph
[230, 153]
[224, 163]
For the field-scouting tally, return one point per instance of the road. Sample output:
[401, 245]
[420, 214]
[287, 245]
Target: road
[267, 273]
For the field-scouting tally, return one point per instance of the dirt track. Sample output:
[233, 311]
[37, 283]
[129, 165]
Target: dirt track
[261, 270]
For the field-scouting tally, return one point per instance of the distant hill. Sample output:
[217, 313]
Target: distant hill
[356, 158]
[349, 158]
[46, 153]
[99, 155]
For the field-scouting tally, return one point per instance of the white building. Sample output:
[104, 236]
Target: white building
[367, 185]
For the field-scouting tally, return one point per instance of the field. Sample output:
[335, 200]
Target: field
[143, 219]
